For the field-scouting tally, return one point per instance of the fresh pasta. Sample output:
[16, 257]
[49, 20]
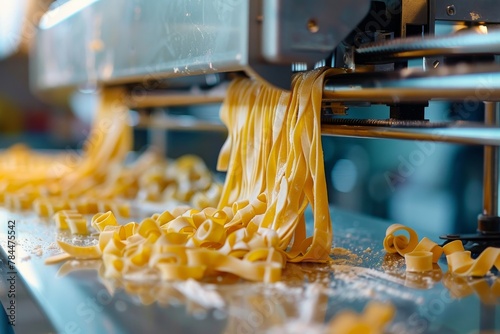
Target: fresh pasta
[461, 262]
[399, 243]
[98, 180]
[419, 256]
[274, 151]
[274, 163]
[49, 183]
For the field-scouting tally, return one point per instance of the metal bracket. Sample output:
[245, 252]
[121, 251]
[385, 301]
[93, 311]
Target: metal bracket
[488, 225]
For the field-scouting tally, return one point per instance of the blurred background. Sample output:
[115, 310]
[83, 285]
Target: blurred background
[435, 186]
[25, 117]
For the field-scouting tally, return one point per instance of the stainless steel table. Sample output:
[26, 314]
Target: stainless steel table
[76, 299]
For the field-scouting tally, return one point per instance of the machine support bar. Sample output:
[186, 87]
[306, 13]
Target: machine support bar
[488, 221]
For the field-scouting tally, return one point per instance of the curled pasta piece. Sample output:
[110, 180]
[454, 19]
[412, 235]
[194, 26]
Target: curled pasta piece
[419, 256]
[113, 245]
[147, 227]
[400, 243]
[461, 263]
[101, 220]
[80, 252]
[57, 258]
[180, 225]
[46, 206]
[418, 261]
[259, 265]
[453, 247]
[430, 246]
[73, 220]
[163, 218]
[209, 234]
[61, 219]
[274, 162]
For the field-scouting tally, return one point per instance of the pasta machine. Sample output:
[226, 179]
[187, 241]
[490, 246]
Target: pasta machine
[156, 47]
[178, 52]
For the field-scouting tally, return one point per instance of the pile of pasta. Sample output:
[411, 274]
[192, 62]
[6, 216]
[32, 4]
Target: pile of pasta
[23, 170]
[69, 176]
[98, 180]
[274, 162]
[420, 256]
[184, 180]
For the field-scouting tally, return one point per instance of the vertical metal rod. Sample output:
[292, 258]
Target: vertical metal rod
[158, 137]
[490, 178]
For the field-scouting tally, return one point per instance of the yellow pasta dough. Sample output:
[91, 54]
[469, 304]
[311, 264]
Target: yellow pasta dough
[418, 261]
[50, 183]
[420, 256]
[98, 180]
[79, 252]
[399, 243]
[461, 263]
[73, 220]
[428, 245]
[274, 164]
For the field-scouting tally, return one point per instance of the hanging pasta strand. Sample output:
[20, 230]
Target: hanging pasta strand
[107, 145]
[274, 162]
[280, 146]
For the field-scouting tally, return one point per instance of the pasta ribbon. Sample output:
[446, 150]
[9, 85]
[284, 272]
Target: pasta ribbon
[101, 220]
[98, 180]
[168, 251]
[80, 252]
[461, 263]
[428, 245]
[400, 243]
[274, 163]
[273, 155]
[419, 257]
[73, 220]
[418, 261]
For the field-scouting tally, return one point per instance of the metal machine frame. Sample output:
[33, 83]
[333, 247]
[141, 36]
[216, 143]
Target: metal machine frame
[152, 46]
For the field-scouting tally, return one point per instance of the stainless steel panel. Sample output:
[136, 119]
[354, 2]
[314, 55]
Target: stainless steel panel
[307, 31]
[90, 42]
[465, 10]
[136, 41]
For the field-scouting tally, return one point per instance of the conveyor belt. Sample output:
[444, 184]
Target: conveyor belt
[75, 297]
